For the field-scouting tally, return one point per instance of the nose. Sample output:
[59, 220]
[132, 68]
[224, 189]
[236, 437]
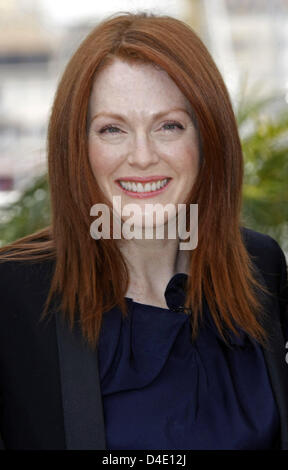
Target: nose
[142, 154]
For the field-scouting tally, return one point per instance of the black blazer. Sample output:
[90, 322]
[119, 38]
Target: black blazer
[50, 391]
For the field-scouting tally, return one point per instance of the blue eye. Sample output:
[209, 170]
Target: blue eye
[109, 127]
[169, 126]
[172, 126]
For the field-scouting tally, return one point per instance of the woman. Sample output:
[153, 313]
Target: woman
[164, 348]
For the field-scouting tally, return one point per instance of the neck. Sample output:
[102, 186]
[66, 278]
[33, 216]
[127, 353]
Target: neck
[152, 263]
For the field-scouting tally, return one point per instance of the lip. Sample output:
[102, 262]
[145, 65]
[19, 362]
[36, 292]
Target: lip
[142, 179]
[146, 194]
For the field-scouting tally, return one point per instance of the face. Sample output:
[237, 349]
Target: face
[142, 142]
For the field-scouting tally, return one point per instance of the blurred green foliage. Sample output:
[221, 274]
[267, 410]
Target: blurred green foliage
[27, 215]
[265, 193]
[264, 137]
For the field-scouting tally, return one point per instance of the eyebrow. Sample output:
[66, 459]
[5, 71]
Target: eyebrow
[153, 116]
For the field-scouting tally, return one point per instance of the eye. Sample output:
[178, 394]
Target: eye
[170, 126]
[109, 130]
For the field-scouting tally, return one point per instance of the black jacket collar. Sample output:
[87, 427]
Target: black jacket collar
[81, 394]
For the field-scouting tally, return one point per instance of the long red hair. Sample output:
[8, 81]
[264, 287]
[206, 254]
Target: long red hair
[91, 275]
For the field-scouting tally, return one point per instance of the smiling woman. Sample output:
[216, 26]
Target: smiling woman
[148, 346]
[153, 149]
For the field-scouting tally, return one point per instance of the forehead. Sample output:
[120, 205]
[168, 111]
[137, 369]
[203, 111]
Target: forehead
[128, 84]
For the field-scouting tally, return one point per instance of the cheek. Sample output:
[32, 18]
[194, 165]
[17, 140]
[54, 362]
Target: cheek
[187, 160]
[194, 162]
[101, 160]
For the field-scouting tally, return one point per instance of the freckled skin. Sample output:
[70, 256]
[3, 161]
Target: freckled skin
[141, 145]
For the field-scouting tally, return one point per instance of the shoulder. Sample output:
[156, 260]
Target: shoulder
[269, 258]
[264, 251]
[24, 283]
[24, 271]
[259, 243]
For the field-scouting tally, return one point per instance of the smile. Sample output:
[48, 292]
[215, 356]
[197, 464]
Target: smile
[138, 189]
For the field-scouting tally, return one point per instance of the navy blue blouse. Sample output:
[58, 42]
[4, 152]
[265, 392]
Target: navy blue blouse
[162, 391]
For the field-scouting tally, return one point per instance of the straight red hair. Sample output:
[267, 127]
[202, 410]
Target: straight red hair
[91, 276]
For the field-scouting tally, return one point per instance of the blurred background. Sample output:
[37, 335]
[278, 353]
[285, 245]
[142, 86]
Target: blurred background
[249, 42]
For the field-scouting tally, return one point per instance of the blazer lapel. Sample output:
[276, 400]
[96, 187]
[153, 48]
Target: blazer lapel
[81, 394]
[275, 360]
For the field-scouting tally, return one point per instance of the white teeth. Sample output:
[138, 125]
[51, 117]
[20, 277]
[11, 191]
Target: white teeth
[140, 188]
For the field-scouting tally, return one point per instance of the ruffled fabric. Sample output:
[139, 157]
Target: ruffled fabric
[175, 295]
[162, 391]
